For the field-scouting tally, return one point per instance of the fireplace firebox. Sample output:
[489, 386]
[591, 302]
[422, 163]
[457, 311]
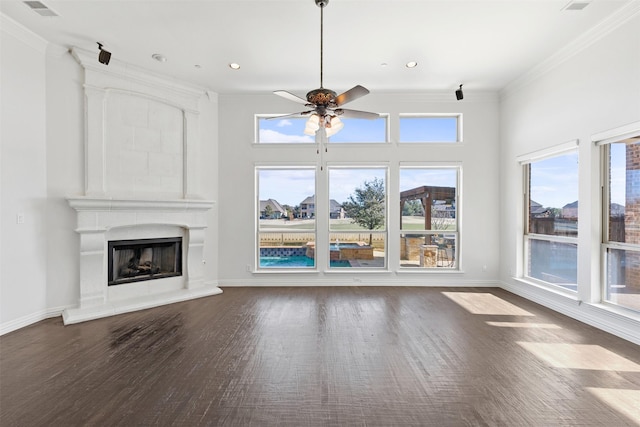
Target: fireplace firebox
[144, 259]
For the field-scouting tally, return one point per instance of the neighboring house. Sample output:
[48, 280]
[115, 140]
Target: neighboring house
[617, 209]
[536, 210]
[308, 208]
[336, 211]
[570, 210]
[277, 211]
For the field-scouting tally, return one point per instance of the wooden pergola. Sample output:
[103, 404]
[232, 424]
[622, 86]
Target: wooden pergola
[426, 195]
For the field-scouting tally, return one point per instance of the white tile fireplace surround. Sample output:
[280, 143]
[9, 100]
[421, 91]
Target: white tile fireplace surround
[142, 161]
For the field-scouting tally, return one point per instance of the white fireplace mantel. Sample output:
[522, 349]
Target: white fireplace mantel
[100, 220]
[143, 180]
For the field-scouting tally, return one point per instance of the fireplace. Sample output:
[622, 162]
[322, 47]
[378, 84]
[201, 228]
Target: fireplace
[144, 259]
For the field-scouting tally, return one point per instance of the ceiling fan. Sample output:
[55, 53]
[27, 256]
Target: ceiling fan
[325, 106]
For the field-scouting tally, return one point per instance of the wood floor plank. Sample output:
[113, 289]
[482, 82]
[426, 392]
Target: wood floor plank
[323, 356]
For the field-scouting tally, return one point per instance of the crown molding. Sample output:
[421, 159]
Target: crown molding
[126, 71]
[614, 21]
[22, 33]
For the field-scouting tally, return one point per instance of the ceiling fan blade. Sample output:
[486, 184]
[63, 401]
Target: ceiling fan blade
[290, 96]
[284, 116]
[356, 114]
[350, 95]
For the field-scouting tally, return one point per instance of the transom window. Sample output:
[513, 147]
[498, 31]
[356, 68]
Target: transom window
[431, 128]
[291, 131]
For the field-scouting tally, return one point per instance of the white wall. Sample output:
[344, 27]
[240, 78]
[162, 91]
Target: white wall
[590, 87]
[23, 187]
[478, 156]
[65, 176]
[43, 159]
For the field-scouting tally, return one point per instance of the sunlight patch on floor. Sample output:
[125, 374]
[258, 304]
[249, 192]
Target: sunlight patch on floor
[485, 303]
[580, 356]
[626, 402]
[524, 325]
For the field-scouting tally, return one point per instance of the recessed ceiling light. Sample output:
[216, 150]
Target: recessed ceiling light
[576, 5]
[198, 66]
[411, 64]
[40, 8]
[159, 57]
[234, 66]
[384, 64]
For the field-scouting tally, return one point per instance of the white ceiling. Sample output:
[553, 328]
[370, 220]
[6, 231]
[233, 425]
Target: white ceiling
[483, 44]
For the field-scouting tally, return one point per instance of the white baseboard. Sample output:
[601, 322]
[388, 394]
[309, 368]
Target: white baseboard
[275, 280]
[30, 319]
[599, 316]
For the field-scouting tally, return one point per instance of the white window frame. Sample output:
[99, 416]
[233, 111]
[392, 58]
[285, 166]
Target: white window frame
[604, 140]
[457, 252]
[525, 161]
[258, 230]
[384, 232]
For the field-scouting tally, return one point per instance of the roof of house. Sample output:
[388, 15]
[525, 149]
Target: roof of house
[274, 205]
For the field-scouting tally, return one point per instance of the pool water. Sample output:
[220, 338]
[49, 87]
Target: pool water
[284, 262]
[295, 262]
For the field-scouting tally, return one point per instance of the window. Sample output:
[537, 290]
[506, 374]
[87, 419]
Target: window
[282, 131]
[431, 128]
[362, 130]
[357, 217]
[621, 210]
[551, 235]
[273, 130]
[286, 232]
[428, 217]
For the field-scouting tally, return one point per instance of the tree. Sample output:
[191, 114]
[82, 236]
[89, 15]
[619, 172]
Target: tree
[412, 208]
[367, 206]
[268, 211]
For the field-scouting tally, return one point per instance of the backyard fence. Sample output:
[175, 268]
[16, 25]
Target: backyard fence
[299, 239]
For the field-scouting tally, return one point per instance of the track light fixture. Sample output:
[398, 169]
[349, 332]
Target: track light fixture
[459, 94]
[104, 56]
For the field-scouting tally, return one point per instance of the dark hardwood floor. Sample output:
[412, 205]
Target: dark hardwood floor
[323, 356]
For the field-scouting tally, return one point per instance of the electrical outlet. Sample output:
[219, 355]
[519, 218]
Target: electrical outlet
[20, 218]
[249, 268]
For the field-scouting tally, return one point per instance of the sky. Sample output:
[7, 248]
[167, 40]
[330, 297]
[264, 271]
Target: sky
[554, 181]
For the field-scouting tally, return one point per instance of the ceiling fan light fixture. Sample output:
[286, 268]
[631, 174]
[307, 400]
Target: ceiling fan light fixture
[334, 126]
[313, 124]
[326, 104]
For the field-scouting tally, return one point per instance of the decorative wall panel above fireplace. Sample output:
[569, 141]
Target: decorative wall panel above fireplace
[142, 151]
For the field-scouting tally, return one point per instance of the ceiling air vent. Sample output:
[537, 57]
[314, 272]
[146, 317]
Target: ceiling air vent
[576, 5]
[40, 8]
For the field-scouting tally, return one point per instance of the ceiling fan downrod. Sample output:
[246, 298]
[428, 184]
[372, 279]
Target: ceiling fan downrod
[321, 4]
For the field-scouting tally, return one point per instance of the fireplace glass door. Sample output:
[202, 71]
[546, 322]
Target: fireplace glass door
[144, 259]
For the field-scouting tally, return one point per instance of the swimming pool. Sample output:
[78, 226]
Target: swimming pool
[295, 262]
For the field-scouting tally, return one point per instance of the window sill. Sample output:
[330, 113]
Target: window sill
[558, 290]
